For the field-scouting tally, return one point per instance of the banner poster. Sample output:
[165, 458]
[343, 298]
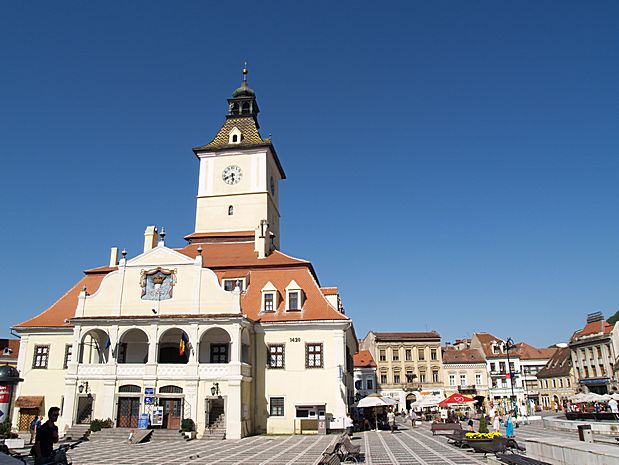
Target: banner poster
[157, 416]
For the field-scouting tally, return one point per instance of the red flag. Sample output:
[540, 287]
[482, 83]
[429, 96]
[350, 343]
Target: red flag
[508, 375]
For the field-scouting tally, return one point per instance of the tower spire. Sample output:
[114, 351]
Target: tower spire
[245, 72]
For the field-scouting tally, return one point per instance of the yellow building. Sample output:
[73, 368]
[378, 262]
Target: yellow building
[408, 364]
[556, 381]
[227, 331]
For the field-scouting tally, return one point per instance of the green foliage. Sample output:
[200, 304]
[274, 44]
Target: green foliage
[483, 427]
[5, 430]
[613, 319]
[187, 425]
[97, 425]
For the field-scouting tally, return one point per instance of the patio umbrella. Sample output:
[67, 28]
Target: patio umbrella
[456, 399]
[374, 401]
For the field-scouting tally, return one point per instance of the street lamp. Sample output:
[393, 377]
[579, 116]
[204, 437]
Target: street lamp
[215, 389]
[509, 344]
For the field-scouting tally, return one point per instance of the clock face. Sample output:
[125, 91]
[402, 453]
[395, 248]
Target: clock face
[272, 186]
[232, 174]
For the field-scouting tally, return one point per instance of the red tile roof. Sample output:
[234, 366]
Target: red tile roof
[559, 365]
[13, 345]
[528, 352]
[329, 290]
[463, 356]
[364, 359]
[602, 327]
[227, 260]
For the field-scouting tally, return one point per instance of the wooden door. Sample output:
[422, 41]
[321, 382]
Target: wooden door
[128, 412]
[171, 413]
[26, 415]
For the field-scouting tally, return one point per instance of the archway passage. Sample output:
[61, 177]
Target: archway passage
[215, 346]
[94, 347]
[133, 347]
[174, 347]
[410, 398]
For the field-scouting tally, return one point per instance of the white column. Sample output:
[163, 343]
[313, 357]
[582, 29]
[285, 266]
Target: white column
[114, 347]
[106, 398]
[233, 409]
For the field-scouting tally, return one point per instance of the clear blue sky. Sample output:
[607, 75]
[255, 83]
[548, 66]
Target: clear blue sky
[451, 165]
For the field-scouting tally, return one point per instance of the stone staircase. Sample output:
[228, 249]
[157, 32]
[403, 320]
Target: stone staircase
[217, 431]
[167, 435]
[117, 434]
[75, 432]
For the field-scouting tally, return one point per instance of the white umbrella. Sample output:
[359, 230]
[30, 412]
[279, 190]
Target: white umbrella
[374, 401]
[580, 397]
[615, 396]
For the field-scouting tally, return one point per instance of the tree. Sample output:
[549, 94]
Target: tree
[483, 427]
[613, 319]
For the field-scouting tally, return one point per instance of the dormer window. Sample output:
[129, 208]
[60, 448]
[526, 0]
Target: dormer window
[231, 284]
[7, 351]
[235, 136]
[269, 298]
[294, 297]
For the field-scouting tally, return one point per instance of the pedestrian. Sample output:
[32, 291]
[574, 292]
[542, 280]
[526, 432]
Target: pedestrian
[391, 420]
[496, 424]
[349, 425]
[47, 435]
[470, 423]
[413, 418]
[612, 403]
[34, 425]
[509, 425]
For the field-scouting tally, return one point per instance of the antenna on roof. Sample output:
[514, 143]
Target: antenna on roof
[595, 316]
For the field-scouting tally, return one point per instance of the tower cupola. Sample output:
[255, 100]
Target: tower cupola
[243, 101]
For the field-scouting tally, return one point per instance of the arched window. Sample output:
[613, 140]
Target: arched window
[170, 390]
[129, 388]
[235, 138]
[230, 210]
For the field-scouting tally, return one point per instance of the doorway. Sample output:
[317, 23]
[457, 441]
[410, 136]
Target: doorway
[84, 410]
[26, 415]
[214, 410]
[172, 413]
[128, 412]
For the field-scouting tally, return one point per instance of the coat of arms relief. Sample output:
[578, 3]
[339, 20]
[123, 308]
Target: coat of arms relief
[157, 284]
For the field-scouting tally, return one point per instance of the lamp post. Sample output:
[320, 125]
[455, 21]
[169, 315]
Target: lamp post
[508, 345]
[215, 389]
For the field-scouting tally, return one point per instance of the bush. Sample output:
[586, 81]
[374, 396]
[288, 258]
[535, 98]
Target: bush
[97, 425]
[5, 430]
[187, 425]
[483, 427]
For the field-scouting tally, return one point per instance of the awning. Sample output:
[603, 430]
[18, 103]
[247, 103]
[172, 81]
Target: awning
[29, 401]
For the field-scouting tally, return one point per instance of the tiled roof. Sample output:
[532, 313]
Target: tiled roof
[249, 131]
[528, 352]
[364, 359]
[12, 344]
[228, 261]
[417, 335]
[329, 290]
[602, 327]
[559, 365]
[463, 356]
[64, 308]
[486, 339]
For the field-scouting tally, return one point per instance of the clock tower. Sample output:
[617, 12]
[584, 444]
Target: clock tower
[238, 186]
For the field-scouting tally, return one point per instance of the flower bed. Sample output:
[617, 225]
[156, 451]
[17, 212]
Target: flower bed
[472, 435]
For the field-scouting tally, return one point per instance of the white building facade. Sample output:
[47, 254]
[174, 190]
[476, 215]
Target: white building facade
[226, 331]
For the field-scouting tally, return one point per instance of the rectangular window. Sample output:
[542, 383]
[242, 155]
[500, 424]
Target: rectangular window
[395, 355]
[68, 350]
[492, 366]
[409, 376]
[219, 353]
[41, 356]
[276, 406]
[383, 379]
[276, 356]
[268, 302]
[382, 356]
[586, 372]
[433, 354]
[422, 377]
[567, 382]
[293, 301]
[452, 380]
[462, 380]
[231, 284]
[478, 379]
[370, 384]
[554, 383]
[502, 367]
[408, 355]
[602, 371]
[396, 378]
[313, 355]
[422, 354]
[435, 376]
[560, 382]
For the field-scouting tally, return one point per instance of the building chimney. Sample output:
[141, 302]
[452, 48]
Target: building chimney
[114, 256]
[262, 240]
[150, 238]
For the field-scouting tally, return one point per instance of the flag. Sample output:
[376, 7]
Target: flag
[183, 344]
[508, 375]
[108, 343]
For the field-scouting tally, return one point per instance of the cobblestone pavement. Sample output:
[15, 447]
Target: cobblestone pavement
[405, 447]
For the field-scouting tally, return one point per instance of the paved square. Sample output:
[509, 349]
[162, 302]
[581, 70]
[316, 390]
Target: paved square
[405, 447]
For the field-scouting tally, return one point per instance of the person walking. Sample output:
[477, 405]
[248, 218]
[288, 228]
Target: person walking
[34, 425]
[349, 425]
[391, 420]
[496, 423]
[509, 426]
[47, 435]
[413, 416]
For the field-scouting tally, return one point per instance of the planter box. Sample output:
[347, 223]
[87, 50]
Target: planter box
[190, 434]
[14, 443]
